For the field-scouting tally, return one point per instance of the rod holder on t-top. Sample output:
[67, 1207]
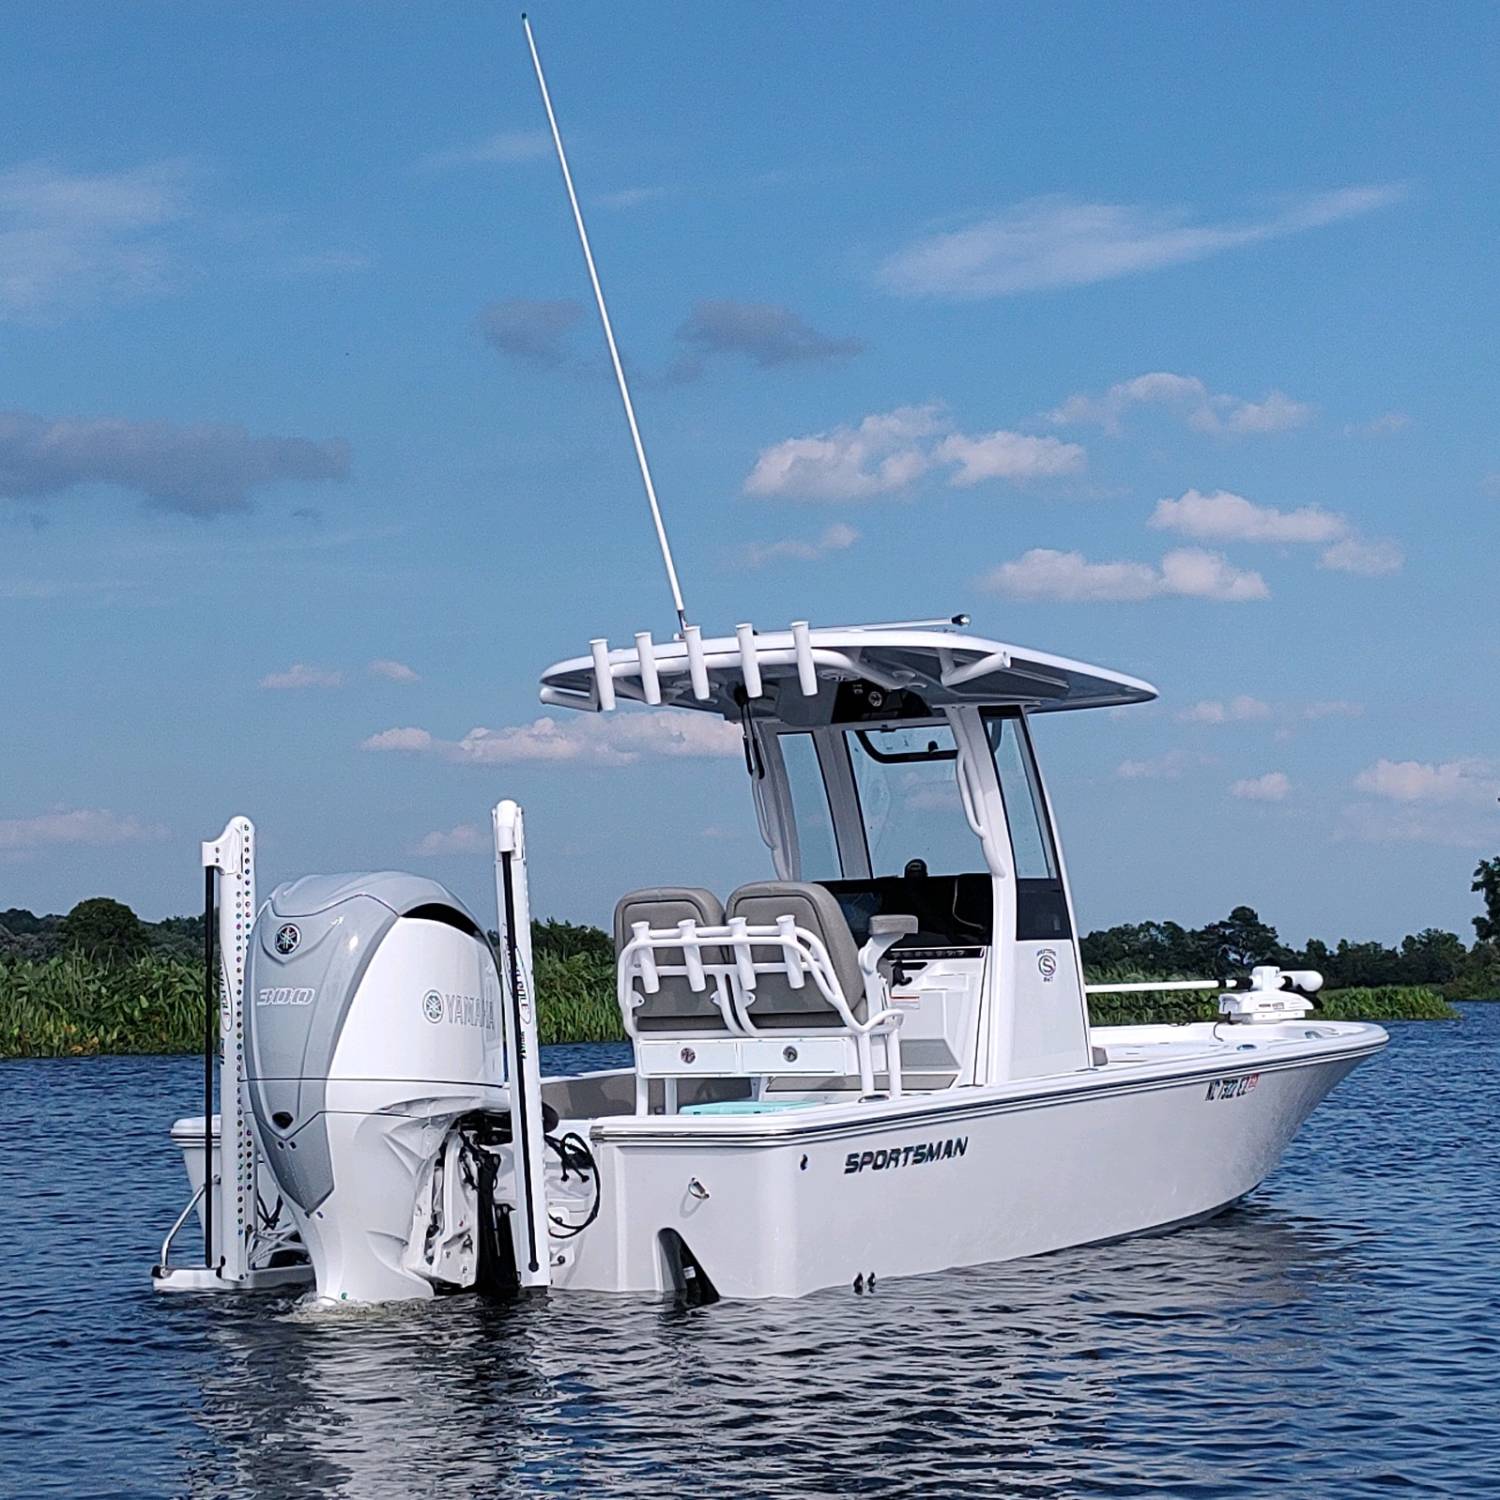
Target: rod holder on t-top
[609, 338]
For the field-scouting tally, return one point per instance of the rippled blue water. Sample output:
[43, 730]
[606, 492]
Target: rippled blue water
[1337, 1336]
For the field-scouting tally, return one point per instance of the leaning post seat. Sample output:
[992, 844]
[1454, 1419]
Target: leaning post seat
[786, 1000]
[775, 987]
[673, 1004]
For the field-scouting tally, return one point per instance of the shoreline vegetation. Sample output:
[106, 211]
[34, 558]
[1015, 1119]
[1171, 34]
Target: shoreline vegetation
[73, 1006]
[102, 982]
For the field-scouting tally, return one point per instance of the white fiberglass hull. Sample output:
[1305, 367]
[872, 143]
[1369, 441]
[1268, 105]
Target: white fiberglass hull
[1176, 1127]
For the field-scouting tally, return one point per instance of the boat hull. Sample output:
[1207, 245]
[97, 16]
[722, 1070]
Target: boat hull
[782, 1205]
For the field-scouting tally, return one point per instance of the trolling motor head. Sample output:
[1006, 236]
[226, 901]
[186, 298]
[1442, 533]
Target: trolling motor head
[373, 1025]
[1272, 994]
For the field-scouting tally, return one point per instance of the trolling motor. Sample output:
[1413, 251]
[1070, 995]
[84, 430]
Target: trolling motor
[1271, 994]
[373, 1029]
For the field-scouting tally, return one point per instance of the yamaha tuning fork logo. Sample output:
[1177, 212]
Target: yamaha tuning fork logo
[288, 936]
[459, 1010]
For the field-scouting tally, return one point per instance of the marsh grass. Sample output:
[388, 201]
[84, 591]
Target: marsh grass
[69, 1006]
[1391, 1002]
[74, 1006]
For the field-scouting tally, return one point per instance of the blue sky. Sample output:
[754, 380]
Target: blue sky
[1163, 340]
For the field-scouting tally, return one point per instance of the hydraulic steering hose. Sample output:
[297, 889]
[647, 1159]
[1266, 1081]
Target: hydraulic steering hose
[572, 1151]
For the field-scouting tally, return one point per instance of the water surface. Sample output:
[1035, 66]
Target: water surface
[1337, 1335]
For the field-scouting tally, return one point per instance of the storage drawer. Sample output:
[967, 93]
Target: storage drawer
[829, 1056]
[683, 1057]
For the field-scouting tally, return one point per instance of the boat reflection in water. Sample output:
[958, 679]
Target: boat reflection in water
[1075, 1368]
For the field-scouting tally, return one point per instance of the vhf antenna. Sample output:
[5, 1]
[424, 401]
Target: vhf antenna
[609, 336]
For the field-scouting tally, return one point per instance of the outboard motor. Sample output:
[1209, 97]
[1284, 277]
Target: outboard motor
[373, 1027]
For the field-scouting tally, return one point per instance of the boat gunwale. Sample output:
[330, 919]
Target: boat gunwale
[815, 1121]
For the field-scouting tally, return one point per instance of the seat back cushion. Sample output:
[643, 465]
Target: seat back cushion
[777, 1004]
[676, 1006]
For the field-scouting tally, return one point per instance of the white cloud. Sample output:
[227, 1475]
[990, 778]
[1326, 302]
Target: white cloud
[1190, 399]
[300, 675]
[1238, 710]
[1167, 767]
[82, 827]
[614, 739]
[1007, 455]
[1368, 557]
[1382, 426]
[68, 240]
[882, 454]
[1223, 517]
[463, 838]
[1470, 780]
[1332, 708]
[1450, 825]
[1059, 241]
[1272, 787]
[392, 671]
[1197, 574]
[1189, 572]
[504, 147]
[836, 538]
[399, 739]
[631, 197]
[888, 451]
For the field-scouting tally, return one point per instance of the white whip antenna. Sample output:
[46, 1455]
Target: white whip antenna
[609, 335]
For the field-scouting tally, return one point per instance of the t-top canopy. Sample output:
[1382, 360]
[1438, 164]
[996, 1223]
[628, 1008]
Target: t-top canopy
[931, 665]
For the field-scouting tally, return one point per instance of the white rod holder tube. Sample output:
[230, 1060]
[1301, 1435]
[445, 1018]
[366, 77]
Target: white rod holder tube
[645, 958]
[692, 636]
[791, 955]
[650, 678]
[604, 677]
[749, 660]
[807, 675]
[529, 1221]
[692, 955]
[744, 960]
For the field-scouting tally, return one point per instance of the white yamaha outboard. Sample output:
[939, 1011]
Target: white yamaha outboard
[372, 1028]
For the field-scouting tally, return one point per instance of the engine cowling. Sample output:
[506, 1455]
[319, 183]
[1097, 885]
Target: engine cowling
[373, 1026]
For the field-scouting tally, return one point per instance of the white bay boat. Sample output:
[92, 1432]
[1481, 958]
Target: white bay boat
[876, 1062]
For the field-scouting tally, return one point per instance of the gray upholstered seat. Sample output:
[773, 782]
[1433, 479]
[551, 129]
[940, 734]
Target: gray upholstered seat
[777, 1004]
[675, 1006]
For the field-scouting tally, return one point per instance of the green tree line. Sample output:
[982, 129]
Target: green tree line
[108, 931]
[1432, 957]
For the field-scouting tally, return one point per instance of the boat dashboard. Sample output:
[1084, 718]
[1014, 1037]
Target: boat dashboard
[955, 913]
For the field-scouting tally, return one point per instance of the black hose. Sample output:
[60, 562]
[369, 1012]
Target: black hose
[572, 1150]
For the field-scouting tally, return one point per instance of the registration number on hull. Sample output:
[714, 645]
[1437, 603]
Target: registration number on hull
[1232, 1088]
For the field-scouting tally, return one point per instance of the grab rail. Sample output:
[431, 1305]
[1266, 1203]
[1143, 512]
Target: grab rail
[182, 1218]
